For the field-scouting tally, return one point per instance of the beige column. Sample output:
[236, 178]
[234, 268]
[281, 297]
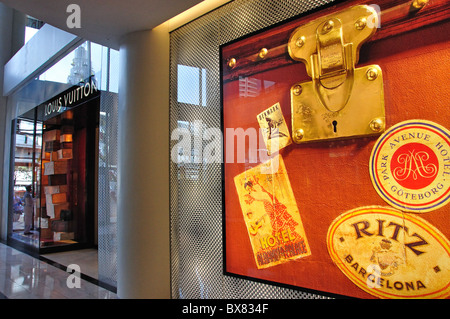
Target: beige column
[143, 199]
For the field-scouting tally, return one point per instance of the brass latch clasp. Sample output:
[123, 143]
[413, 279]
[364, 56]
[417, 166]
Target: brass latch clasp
[340, 100]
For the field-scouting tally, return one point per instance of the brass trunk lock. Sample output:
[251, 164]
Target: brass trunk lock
[340, 101]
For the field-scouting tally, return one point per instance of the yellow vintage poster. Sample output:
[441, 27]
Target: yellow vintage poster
[274, 129]
[271, 215]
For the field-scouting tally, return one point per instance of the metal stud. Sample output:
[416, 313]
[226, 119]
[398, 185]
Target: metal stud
[418, 4]
[232, 63]
[360, 23]
[376, 125]
[297, 90]
[300, 41]
[299, 134]
[328, 26]
[372, 74]
[263, 53]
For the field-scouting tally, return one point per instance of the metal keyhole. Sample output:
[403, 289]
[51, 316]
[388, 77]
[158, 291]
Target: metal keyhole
[334, 126]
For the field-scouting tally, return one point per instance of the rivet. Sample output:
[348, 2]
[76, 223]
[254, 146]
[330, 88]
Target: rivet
[297, 90]
[232, 63]
[299, 134]
[328, 26]
[300, 41]
[419, 4]
[376, 125]
[360, 23]
[372, 74]
[263, 53]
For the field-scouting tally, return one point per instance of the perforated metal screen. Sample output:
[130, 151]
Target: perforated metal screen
[107, 189]
[196, 188]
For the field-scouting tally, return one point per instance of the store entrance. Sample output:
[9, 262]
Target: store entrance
[53, 193]
[25, 163]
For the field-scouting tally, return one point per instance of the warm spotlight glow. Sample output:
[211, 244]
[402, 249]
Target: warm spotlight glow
[192, 13]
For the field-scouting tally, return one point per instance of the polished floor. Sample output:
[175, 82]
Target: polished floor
[25, 277]
[87, 259]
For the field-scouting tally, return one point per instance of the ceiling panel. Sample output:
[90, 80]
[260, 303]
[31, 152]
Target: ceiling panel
[104, 22]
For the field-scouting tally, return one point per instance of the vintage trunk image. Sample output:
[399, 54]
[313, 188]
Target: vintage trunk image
[271, 215]
[355, 94]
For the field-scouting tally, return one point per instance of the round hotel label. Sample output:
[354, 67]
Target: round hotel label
[410, 166]
[389, 254]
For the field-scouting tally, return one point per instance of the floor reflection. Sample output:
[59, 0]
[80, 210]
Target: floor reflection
[25, 277]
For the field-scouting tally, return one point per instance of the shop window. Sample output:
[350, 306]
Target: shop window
[53, 193]
[104, 62]
[191, 85]
[87, 60]
[29, 33]
[26, 159]
[72, 69]
[60, 71]
[32, 27]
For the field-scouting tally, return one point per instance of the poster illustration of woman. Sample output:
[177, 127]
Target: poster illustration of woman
[271, 215]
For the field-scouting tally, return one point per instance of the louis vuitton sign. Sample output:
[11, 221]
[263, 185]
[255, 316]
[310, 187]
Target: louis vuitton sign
[72, 97]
